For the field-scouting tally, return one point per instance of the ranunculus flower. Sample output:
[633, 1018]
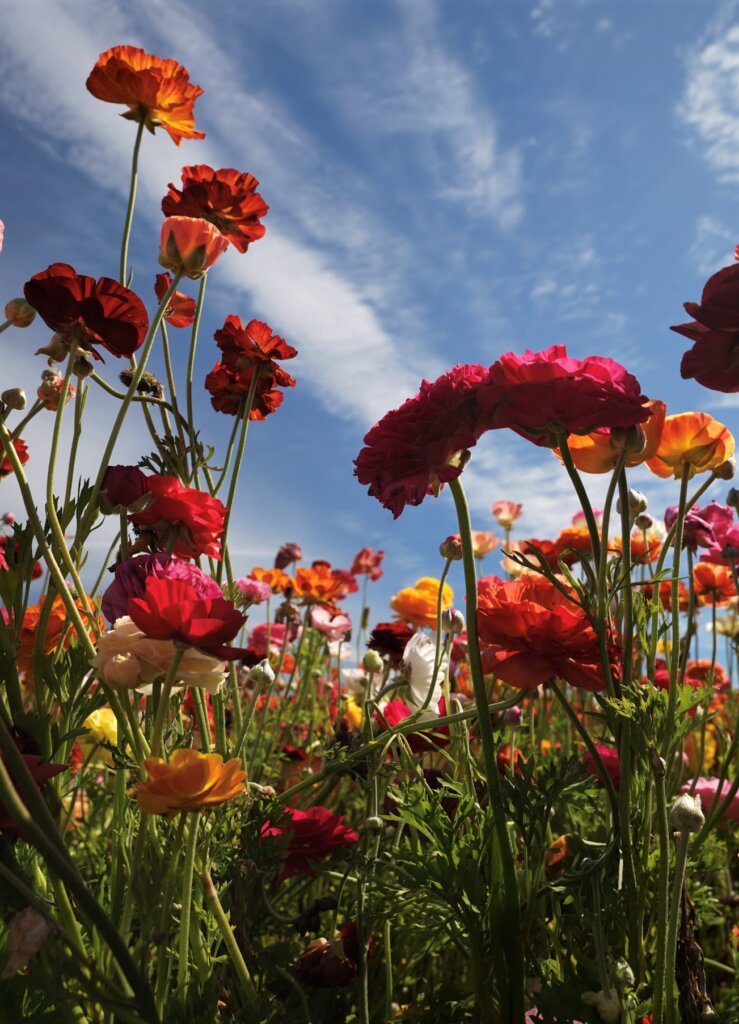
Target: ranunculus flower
[196, 518]
[252, 591]
[131, 575]
[539, 394]
[180, 311]
[21, 450]
[123, 488]
[190, 245]
[598, 452]
[276, 630]
[174, 610]
[419, 658]
[645, 545]
[697, 530]
[58, 630]
[311, 835]
[713, 583]
[395, 712]
[89, 312]
[157, 91]
[506, 512]
[227, 198]
[665, 594]
[706, 790]
[416, 448]
[255, 345]
[368, 562]
[611, 763]
[714, 358]
[327, 964]
[278, 580]
[318, 584]
[189, 781]
[417, 604]
[228, 390]
[334, 625]
[389, 639]
[694, 442]
[483, 542]
[530, 632]
[287, 554]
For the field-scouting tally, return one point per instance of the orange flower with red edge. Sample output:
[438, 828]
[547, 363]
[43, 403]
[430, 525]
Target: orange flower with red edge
[227, 198]
[417, 604]
[21, 450]
[318, 585]
[58, 630]
[713, 583]
[694, 442]
[599, 452]
[574, 538]
[180, 311]
[190, 246]
[157, 91]
[277, 579]
[189, 781]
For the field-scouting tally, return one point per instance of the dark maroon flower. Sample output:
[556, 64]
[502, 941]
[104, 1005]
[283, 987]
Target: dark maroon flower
[334, 964]
[41, 774]
[123, 488]
[390, 639]
[288, 554]
[714, 358]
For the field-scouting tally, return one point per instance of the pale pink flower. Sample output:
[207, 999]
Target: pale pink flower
[334, 626]
[506, 512]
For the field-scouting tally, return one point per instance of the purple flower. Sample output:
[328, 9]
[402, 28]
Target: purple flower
[131, 575]
[704, 527]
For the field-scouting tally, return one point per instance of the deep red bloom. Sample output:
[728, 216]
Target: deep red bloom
[415, 449]
[530, 632]
[175, 610]
[180, 311]
[714, 358]
[369, 562]
[396, 711]
[123, 486]
[287, 554]
[229, 388]
[195, 517]
[87, 311]
[311, 835]
[21, 449]
[346, 579]
[327, 964]
[227, 198]
[390, 639]
[539, 394]
[41, 774]
[255, 346]
[611, 763]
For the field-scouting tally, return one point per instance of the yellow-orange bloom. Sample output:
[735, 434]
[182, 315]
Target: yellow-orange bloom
[713, 583]
[596, 453]
[158, 92]
[277, 579]
[692, 440]
[318, 585]
[58, 628]
[417, 604]
[189, 781]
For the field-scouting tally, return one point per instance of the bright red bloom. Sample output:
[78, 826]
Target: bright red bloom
[369, 562]
[21, 449]
[255, 346]
[175, 610]
[190, 245]
[416, 448]
[228, 390]
[397, 711]
[539, 394]
[180, 311]
[611, 763]
[41, 774]
[87, 311]
[312, 835]
[714, 358]
[195, 517]
[227, 198]
[530, 632]
[157, 91]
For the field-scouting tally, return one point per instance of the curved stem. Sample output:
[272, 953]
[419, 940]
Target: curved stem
[675, 646]
[663, 898]
[582, 494]
[131, 203]
[186, 901]
[244, 413]
[191, 367]
[675, 907]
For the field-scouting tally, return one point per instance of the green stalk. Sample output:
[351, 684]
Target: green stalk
[183, 963]
[661, 980]
[675, 907]
[244, 413]
[131, 202]
[191, 366]
[582, 494]
[675, 646]
[163, 705]
[229, 939]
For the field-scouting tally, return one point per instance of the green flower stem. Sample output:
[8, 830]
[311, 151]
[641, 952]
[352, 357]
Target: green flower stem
[138, 740]
[172, 385]
[80, 401]
[661, 980]
[183, 962]
[163, 704]
[6, 324]
[512, 986]
[675, 645]
[675, 907]
[141, 399]
[131, 202]
[191, 369]
[244, 414]
[219, 722]
[229, 939]
[237, 714]
[165, 920]
[215, 487]
[582, 494]
[33, 411]
[202, 717]
[592, 749]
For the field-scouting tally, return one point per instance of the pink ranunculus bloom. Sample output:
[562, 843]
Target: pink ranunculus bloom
[579, 518]
[369, 562]
[131, 575]
[609, 757]
[540, 394]
[334, 626]
[254, 591]
[258, 638]
[703, 527]
[706, 790]
[506, 512]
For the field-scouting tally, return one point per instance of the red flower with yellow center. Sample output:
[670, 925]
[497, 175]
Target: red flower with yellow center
[692, 442]
[227, 198]
[189, 781]
[157, 91]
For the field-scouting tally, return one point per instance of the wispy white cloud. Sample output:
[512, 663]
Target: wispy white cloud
[713, 245]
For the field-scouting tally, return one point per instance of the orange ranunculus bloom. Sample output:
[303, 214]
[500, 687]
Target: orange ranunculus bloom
[417, 604]
[574, 538]
[318, 585]
[597, 453]
[158, 92]
[665, 594]
[483, 542]
[277, 579]
[645, 548]
[190, 245]
[55, 630]
[189, 781]
[694, 439]
[713, 583]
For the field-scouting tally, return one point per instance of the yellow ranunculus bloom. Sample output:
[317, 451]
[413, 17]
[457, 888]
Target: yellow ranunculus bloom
[417, 604]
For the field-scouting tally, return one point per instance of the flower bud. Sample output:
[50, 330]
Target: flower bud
[726, 470]
[14, 398]
[451, 548]
[644, 521]
[27, 933]
[124, 489]
[686, 814]
[373, 662]
[288, 554]
[56, 350]
[452, 621]
[8, 518]
[375, 824]
[82, 367]
[20, 313]
[732, 498]
[629, 439]
[50, 389]
[190, 245]
[512, 716]
[262, 674]
[637, 503]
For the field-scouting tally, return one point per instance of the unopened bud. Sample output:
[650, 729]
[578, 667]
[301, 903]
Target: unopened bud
[629, 439]
[14, 398]
[82, 367]
[658, 765]
[637, 503]
[644, 521]
[373, 662]
[375, 823]
[262, 674]
[726, 470]
[732, 498]
[8, 518]
[56, 350]
[512, 716]
[20, 313]
[686, 814]
[451, 548]
[624, 974]
[452, 621]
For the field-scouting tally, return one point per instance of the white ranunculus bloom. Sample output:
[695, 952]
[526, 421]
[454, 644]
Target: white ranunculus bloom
[418, 660]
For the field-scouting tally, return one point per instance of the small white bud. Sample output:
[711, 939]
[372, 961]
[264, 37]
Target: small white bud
[686, 814]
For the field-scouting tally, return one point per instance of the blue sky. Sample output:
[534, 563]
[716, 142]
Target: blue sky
[446, 181]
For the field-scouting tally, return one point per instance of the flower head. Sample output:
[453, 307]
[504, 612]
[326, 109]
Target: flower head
[89, 312]
[598, 452]
[713, 583]
[189, 781]
[318, 584]
[157, 92]
[287, 554]
[707, 789]
[131, 575]
[226, 198]
[194, 518]
[389, 639]
[506, 512]
[255, 346]
[334, 625]
[483, 542]
[368, 562]
[692, 442]
[229, 389]
[417, 604]
[311, 835]
[180, 311]
[714, 358]
[21, 450]
[190, 246]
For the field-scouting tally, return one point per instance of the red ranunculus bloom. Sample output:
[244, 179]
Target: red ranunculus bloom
[415, 449]
[389, 639]
[611, 763]
[311, 835]
[530, 632]
[87, 311]
[180, 311]
[157, 91]
[175, 610]
[195, 517]
[369, 562]
[41, 774]
[227, 198]
[21, 449]
[539, 394]
[228, 390]
[714, 358]
[255, 346]
[123, 487]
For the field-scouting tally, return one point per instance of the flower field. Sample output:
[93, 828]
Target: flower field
[224, 798]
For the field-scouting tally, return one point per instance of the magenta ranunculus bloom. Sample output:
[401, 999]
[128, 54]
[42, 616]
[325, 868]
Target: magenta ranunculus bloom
[723, 549]
[254, 591]
[131, 575]
[258, 638]
[609, 757]
[706, 790]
